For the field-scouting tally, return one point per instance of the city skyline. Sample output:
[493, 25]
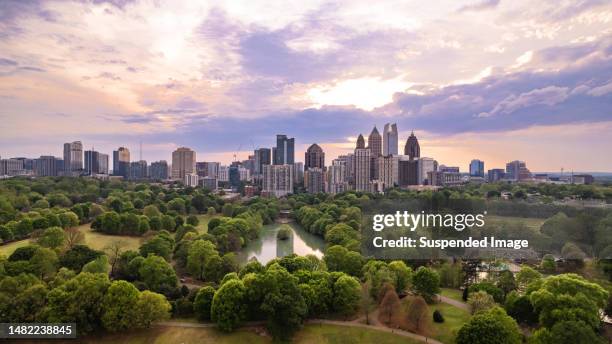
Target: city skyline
[487, 79]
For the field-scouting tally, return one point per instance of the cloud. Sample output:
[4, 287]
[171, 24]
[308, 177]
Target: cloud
[480, 6]
[550, 95]
[601, 90]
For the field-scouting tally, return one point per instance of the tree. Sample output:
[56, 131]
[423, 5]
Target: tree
[491, 327]
[78, 300]
[402, 275]
[489, 288]
[228, 309]
[52, 237]
[193, 220]
[157, 274]
[158, 245]
[73, 236]
[548, 263]
[77, 256]
[114, 251]
[418, 315]
[390, 305]
[119, 306]
[367, 303]
[346, 295]
[568, 331]
[480, 301]
[69, 219]
[525, 277]
[283, 303]
[44, 261]
[203, 302]
[338, 258]
[99, 265]
[520, 308]
[426, 282]
[198, 256]
[151, 211]
[151, 307]
[506, 282]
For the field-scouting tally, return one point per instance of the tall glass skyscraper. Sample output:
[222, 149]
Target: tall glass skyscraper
[390, 139]
[284, 152]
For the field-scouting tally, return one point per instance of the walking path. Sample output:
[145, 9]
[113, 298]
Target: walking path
[455, 303]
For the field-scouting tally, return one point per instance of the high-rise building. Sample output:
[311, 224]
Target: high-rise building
[183, 163]
[347, 160]
[408, 171]
[375, 143]
[207, 169]
[11, 167]
[390, 139]
[437, 178]
[425, 165]
[284, 152]
[73, 157]
[249, 164]
[202, 169]
[28, 164]
[298, 173]
[412, 148]
[388, 171]
[360, 142]
[209, 183]
[277, 180]
[363, 163]
[47, 165]
[337, 180]
[314, 180]
[159, 170]
[190, 179]
[234, 175]
[138, 169]
[96, 162]
[517, 170]
[121, 162]
[314, 157]
[477, 168]
[495, 174]
[263, 157]
[444, 168]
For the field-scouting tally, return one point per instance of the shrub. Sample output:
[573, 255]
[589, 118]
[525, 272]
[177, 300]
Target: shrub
[437, 316]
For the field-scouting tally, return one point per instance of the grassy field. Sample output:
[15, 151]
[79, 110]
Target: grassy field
[454, 318]
[454, 294]
[309, 334]
[531, 222]
[99, 241]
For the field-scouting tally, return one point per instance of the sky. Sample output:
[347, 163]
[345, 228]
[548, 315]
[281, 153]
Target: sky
[497, 80]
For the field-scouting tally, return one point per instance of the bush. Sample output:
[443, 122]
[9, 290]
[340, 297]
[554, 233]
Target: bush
[283, 233]
[437, 316]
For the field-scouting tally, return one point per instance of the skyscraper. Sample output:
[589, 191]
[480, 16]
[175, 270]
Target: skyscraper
[314, 157]
[262, 157]
[314, 180]
[73, 157]
[375, 143]
[337, 180]
[388, 171]
[48, 165]
[183, 162]
[390, 139]
[477, 168]
[425, 165]
[360, 142]
[495, 174]
[284, 152]
[277, 180]
[408, 171]
[96, 162]
[159, 170]
[363, 162]
[121, 162]
[139, 170]
[517, 170]
[412, 148]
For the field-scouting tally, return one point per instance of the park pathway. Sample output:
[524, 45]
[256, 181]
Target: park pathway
[455, 303]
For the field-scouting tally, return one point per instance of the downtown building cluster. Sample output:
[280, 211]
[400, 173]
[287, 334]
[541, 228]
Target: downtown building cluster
[372, 166]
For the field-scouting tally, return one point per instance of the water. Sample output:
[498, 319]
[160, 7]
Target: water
[267, 246]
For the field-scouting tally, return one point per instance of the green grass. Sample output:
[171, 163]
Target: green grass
[10, 248]
[342, 334]
[454, 294]
[454, 318]
[203, 226]
[163, 335]
[531, 222]
[320, 334]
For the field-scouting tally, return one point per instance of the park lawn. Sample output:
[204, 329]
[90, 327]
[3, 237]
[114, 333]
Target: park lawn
[332, 334]
[531, 222]
[454, 294]
[454, 318]
[8, 249]
[203, 226]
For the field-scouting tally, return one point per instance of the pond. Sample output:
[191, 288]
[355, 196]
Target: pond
[267, 246]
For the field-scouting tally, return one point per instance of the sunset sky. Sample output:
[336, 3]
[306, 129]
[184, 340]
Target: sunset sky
[498, 80]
